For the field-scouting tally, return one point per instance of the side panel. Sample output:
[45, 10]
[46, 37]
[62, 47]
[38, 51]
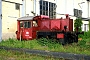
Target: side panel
[55, 24]
[63, 23]
[34, 32]
[18, 30]
[45, 25]
[18, 25]
[60, 36]
[19, 33]
[67, 23]
[70, 25]
[27, 33]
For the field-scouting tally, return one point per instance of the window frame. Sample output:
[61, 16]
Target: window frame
[27, 25]
[77, 13]
[46, 8]
[17, 6]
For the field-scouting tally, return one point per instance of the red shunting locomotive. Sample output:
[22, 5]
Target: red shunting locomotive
[32, 27]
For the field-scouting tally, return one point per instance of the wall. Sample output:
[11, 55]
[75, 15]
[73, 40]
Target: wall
[67, 6]
[85, 27]
[16, 1]
[9, 20]
[29, 7]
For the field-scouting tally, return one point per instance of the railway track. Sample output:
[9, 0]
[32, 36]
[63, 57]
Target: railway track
[69, 56]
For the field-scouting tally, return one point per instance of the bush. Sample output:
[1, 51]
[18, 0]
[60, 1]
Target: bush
[51, 43]
[82, 43]
[85, 36]
[85, 43]
[78, 23]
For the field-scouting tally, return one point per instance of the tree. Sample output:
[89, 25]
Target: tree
[77, 24]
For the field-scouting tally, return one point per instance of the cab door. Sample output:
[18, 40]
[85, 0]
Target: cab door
[35, 29]
[27, 30]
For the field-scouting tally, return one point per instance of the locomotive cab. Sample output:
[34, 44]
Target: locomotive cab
[26, 28]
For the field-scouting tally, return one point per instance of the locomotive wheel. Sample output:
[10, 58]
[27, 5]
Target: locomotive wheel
[39, 36]
[62, 41]
[76, 39]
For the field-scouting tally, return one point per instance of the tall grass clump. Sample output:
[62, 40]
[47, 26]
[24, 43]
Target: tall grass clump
[51, 44]
[85, 42]
[20, 44]
[86, 35]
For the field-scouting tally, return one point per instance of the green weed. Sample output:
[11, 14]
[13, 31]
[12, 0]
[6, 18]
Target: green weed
[15, 55]
[82, 47]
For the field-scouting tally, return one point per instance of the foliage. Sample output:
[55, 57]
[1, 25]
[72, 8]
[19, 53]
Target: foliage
[47, 42]
[20, 44]
[85, 43]
[78, 23]
[15, 55]
[50, 45]
[86, 35]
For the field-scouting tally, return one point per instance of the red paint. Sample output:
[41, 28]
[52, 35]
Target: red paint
[44, 23]
[60, 36]
[55, 24]
[71, 25]
[63, 23]
[27, 33]
[44, 16]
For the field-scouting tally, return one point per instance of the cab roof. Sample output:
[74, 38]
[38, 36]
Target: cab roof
[26, 18]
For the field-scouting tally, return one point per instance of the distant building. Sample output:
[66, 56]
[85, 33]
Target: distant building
[75, 8]
[13, 9]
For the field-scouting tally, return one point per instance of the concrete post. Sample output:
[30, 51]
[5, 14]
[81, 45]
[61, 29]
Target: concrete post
[0, 20]
[23, 8]
[34, 7]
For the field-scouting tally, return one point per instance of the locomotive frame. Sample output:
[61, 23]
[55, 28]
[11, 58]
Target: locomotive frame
[32, 27]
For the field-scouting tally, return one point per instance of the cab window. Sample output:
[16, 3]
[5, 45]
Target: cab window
[21, 24]
[27, 24]
[35, 24]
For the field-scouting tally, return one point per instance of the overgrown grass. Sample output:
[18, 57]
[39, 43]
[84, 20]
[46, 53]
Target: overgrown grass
[82, 47]
[15, 55]
[86, 35]
[85, 42]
